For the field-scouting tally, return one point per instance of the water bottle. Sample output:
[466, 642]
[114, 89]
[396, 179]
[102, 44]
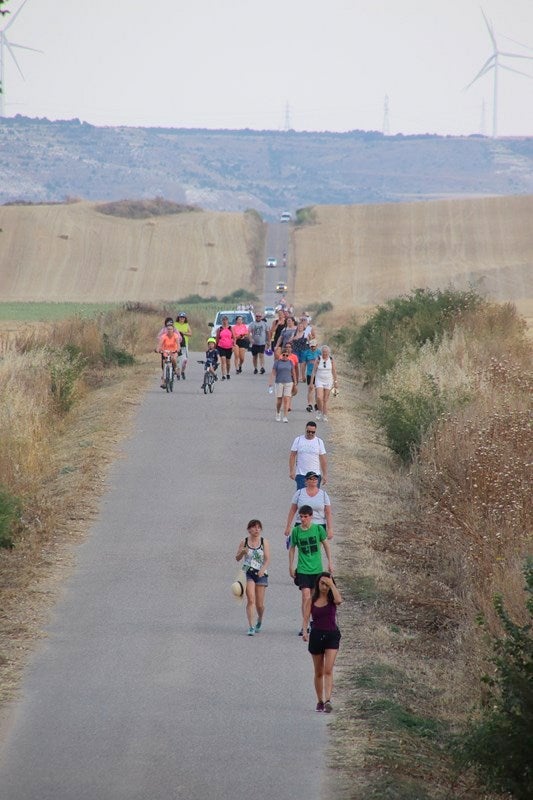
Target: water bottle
[271, 390]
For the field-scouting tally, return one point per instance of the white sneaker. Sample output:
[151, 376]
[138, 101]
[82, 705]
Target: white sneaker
[318, 415]
[278, 417]
[285, 419]
[325, 418]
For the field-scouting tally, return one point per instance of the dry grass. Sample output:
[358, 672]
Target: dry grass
[63, 502]
[422, 554]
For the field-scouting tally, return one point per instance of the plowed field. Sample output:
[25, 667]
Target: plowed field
[73, 252]
[363, 255]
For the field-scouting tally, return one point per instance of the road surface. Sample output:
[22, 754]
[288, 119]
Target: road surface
[147, 686]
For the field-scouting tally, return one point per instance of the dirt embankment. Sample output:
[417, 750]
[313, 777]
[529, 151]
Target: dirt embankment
[362, 255]
[72, 252]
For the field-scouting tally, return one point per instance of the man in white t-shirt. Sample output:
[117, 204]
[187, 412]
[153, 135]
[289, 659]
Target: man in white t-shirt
[308, 454]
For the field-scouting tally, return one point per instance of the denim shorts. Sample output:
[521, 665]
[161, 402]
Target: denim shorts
[251, 575]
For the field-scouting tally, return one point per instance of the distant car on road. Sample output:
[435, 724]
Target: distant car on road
[285, 216]
[270, 312]
[281, 288]
[272, 262]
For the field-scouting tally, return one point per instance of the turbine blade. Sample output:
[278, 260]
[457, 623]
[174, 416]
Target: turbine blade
[15, 15]
[12, 54]
[516, 55]
[487, 66]
[520, 44]
[517, 71]
[23, 46]
[490, 30]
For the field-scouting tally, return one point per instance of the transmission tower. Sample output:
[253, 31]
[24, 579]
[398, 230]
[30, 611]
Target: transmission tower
[287, 124]
[386, 127]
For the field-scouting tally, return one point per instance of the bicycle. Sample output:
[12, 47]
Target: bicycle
[168, 371]
[210, 377]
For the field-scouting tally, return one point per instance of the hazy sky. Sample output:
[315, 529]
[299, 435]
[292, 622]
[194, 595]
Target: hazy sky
[244, 63]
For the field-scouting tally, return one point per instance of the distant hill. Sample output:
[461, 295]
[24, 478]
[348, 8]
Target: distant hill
[43, 161]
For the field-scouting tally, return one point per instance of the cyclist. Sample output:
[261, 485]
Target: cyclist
[182, 325]
[169, 342]
[211, 357]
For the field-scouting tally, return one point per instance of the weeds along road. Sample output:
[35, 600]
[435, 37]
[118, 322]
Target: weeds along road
[147, 685]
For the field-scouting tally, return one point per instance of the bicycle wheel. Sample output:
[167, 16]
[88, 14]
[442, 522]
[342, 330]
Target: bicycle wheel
[204, 386]
[169, 377]
[211, 383]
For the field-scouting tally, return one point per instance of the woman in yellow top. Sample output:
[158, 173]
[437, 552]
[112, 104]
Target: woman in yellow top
[182, 325]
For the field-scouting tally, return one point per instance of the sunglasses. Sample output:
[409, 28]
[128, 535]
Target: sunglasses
[312, 433]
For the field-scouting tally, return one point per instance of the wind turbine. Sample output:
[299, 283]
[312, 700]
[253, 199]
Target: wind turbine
[5, 44]
[494, 62]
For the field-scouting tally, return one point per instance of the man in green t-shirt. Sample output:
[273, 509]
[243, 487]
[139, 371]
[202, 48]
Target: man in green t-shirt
[307, 538]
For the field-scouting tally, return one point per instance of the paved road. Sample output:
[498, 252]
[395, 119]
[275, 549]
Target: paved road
[277, 243]
[147, 687]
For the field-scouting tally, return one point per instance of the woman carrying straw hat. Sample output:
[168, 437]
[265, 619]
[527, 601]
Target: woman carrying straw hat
[255, 550]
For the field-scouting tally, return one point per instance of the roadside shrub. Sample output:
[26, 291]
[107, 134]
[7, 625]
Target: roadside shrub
[9, 510]
[239, 296]
[500, 744]
[143, 209]
[405, 321]
[305, 216]
[115, 355]
[66, 367]
[320, 308]
[407, 416]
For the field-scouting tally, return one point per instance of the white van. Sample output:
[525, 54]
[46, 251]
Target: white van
[247, 318]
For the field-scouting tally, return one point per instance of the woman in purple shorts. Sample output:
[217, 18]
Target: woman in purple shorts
[324, 638]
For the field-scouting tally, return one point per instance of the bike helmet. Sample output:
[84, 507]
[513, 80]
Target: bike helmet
[181, 314]
[211, 339]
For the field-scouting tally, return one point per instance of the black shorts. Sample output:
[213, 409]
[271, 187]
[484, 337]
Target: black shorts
[258, 348]
[225, 352]
[320, 641]
[308, 379]
[243, 342]
[304, 581]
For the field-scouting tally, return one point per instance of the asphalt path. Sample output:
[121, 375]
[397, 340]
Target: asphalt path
[147, 686]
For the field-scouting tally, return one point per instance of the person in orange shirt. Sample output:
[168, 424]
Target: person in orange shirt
[170, 341]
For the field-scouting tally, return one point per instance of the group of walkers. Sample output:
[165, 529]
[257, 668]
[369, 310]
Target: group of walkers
[309, 525]
[294, 345]
[308, 532]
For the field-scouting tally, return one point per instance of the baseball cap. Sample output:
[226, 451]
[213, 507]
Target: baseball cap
[312, 342]
[311, 474]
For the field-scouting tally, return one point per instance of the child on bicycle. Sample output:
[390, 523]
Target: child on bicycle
[211, 356]
[170, 342]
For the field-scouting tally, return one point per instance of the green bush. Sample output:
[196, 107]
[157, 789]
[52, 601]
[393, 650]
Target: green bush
[407, 415]
[9, 510]
[316, 309]
[305, 216]
[114, 355]
[500, 745]
[239, 296]
[410, 320]
[66, 366]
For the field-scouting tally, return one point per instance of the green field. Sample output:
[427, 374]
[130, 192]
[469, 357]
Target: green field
[46, 312]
